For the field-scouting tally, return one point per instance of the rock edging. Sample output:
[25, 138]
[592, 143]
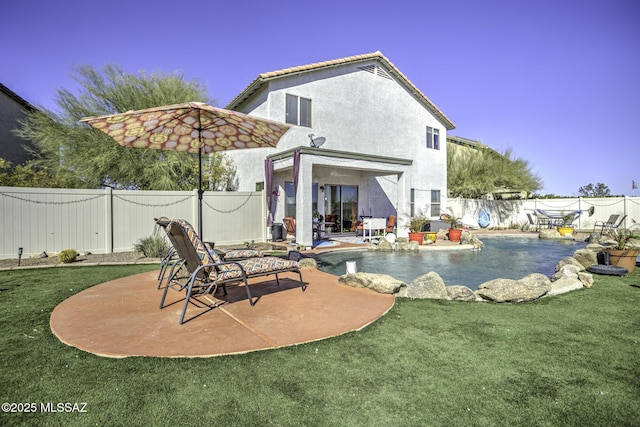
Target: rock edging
[570, 275]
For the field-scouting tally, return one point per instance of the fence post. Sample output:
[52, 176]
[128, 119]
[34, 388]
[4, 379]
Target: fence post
[108, 220]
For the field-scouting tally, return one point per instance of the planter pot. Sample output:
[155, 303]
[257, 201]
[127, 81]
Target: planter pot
[623, 258]
[565, 230]
[416, 237]
[454, 234]
[431, 236]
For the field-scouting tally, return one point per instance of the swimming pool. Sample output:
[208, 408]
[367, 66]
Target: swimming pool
[501, 257]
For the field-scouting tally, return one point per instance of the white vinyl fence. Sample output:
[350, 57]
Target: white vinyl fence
[105, 221]
[511, 213]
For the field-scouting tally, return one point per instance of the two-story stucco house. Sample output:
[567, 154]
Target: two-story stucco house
[383, 153]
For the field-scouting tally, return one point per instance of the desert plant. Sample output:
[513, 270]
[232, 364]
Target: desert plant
[622, 239]
[154, 246]
[67, 256]
[416, 222]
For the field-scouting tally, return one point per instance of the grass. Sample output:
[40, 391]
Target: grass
[566, 360]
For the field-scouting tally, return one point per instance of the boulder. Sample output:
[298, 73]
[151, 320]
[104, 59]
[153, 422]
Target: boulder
[466, 237]
[428, 285]
[460, 293]
[384, 245]
[586, 279]
[413, 246]
[508, 290]
[308, 263]
[565, 284]
[400, 246]
[549, 233]
[570, 271]
[381, 283]
[586, 257]
[569, 261]
[536, 279]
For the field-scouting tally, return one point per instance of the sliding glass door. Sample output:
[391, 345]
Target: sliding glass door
[341, 206]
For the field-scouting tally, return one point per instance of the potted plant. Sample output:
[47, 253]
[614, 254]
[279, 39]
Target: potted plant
[455, 231]
[623, 253]
[415, 228]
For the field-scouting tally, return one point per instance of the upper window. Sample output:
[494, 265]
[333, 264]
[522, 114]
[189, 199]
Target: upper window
[298, 111]
[433, 138]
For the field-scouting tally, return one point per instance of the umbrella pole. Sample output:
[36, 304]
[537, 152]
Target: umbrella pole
[200, 193]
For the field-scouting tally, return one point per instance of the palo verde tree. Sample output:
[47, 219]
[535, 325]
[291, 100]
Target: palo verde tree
[475, 173]
[90, 159]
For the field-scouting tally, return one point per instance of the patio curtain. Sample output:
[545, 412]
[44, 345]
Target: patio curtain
[268, 178]
[296, 169]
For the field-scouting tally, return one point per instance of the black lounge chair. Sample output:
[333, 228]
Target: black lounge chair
[207, 272]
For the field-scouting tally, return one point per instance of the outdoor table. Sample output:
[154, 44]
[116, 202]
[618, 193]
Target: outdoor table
[373, 224]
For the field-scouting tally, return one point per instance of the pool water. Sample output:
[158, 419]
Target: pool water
[501, 257]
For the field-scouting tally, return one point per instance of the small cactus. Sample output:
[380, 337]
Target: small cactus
[67, 256]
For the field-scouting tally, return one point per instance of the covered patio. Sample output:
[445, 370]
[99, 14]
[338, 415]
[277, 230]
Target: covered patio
[318, 180]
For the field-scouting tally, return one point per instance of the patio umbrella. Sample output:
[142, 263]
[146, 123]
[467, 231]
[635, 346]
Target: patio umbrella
[193, 127]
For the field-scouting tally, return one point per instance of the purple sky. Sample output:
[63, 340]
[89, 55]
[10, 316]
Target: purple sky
[557, 81]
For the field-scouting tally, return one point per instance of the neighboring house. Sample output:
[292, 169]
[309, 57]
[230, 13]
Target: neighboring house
[12, 109]
[384, 150]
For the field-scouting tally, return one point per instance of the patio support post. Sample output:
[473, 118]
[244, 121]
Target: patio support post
[404, 197]
[304, 202]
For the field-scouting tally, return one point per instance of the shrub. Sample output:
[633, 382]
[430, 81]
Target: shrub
[152, 247]
[67, 256]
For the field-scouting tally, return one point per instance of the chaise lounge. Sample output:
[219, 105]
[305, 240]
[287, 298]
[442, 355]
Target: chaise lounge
[207, 271]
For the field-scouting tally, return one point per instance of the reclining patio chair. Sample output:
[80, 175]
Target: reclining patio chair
[171, 260]
[391, 224]
[609, 225]
[207, 272]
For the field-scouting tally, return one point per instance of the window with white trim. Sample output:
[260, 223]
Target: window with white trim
[433, 138]
[435, 202]
[298, 110]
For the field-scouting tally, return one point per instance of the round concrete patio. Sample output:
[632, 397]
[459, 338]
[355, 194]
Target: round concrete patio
[122, 318]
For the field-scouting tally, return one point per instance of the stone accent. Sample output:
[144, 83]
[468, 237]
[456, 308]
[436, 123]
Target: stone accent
[565, 284]
[586, 257]
[569, 270]
[428, 285]
[467, 238]
[536, 279]
[586, 279]
[508, 290]
[569, 261]
[549, 233]
[460, 293]
[308, 263]
[381, 283]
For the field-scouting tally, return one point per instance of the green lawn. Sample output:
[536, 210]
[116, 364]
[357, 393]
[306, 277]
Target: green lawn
[567, 360]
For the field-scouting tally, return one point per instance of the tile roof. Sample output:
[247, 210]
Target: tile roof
[265, 77]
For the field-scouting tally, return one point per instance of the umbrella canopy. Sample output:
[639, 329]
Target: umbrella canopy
[192, 127]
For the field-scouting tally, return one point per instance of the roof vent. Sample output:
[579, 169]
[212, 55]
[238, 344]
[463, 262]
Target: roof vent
[376, 70]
